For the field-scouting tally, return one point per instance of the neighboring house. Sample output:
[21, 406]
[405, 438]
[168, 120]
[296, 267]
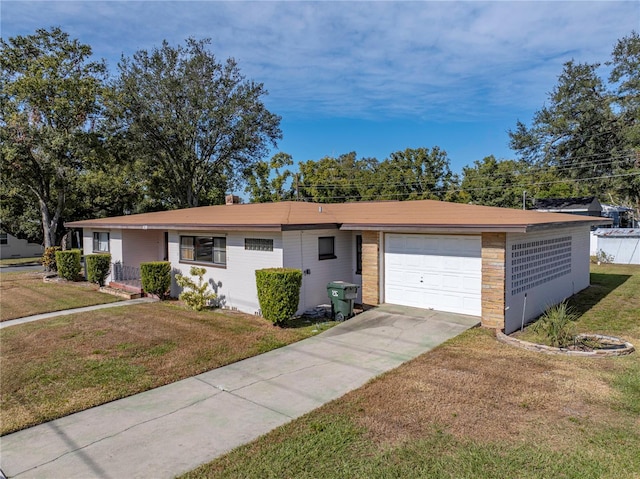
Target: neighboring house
[621, 245]
[587, 206]
[12, 247]
[499, 264]
[621, 216]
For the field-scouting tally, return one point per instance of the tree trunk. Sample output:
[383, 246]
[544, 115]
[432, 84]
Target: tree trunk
[49, 224]
[49, 239]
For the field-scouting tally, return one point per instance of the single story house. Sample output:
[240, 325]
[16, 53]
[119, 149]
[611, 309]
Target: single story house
[499, 264]
[12, 247]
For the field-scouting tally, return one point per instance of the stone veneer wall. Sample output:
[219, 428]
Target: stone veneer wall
[370, 268]
[493, 279]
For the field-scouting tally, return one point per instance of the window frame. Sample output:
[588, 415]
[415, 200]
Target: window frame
[327, 254]
[97, 242]
[197, 250]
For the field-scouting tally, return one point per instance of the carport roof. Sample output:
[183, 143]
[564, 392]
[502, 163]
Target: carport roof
[419, 216]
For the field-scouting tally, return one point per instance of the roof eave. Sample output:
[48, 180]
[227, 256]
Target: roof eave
[203, 227]
[452, 229]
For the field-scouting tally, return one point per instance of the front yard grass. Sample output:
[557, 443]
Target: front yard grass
[25, 294]
[476, 408]
[51, 368]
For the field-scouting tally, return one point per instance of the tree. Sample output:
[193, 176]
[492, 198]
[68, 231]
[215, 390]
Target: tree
[420, 173]
[590, 130]
[50, 103]
[265, 181]
[331, 180]
[505, 183]
[197, 122]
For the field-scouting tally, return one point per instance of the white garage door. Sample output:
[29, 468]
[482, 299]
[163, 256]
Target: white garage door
[442, 272]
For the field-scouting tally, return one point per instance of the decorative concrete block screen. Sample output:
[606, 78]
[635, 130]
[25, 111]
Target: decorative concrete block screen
[538, 262]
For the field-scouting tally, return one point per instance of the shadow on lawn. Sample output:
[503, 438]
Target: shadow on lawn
[601, 285]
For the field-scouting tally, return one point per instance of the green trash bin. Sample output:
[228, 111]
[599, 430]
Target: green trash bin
[342, 296]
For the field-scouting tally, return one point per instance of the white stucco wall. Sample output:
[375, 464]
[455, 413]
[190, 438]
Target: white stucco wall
[234, 284]
[539, 290]
[115, 245]
[18, 248]
[301, 252]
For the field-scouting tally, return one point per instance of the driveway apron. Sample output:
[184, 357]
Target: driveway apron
[173, 429]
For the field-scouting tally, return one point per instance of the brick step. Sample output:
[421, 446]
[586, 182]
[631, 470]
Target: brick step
[131, 286]
[121, 293]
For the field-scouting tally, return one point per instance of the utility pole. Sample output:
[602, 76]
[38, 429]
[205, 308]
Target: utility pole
[524, 199]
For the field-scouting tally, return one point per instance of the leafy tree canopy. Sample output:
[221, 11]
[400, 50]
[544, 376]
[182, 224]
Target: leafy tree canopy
[590, 129]
[266, 182]
[420, 173]
[50, 102]
[197, 123]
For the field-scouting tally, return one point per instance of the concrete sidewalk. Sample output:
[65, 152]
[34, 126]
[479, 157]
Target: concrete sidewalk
[173, 429]
[66, 312]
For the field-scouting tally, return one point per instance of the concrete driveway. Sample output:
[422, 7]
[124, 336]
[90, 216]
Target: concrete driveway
[174, 428]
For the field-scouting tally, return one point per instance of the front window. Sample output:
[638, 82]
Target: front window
[326, 248]
[4, 239]
[100, 242]
[204, 249]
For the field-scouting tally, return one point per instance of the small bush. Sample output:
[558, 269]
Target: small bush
[97, 266]
[49, 258]
[604, 258]
[278, 292]
[557, 325]
[197, 297]
[68, 263]
[156, 278]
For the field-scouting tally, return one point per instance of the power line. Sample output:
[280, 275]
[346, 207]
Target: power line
[495, 176]
[486, 188]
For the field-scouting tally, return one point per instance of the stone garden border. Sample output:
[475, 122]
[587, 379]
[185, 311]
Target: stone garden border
[541, 348]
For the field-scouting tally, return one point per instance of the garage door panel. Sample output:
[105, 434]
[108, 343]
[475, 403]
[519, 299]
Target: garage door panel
[441, 272]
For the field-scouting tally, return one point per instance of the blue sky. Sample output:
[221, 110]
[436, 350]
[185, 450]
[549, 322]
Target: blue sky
[370, 77]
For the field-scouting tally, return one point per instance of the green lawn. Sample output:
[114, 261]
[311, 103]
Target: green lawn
[476, 408]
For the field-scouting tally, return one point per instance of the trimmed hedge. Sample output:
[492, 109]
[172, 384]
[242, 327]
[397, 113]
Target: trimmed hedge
[68, 263]
[156, 278]
[278, 292]
[49, 258]
[97, 267]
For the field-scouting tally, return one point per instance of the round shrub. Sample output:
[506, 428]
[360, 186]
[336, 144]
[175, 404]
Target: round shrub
[278, 292]
[98, 266]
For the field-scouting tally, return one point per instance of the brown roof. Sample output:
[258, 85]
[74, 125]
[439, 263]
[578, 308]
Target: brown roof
[422, 215]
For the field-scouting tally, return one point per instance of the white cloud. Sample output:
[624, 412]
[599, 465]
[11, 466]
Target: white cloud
[416, 59]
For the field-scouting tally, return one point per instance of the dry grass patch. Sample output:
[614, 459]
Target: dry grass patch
[477, 389]
[26, 294]
[54, 367]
